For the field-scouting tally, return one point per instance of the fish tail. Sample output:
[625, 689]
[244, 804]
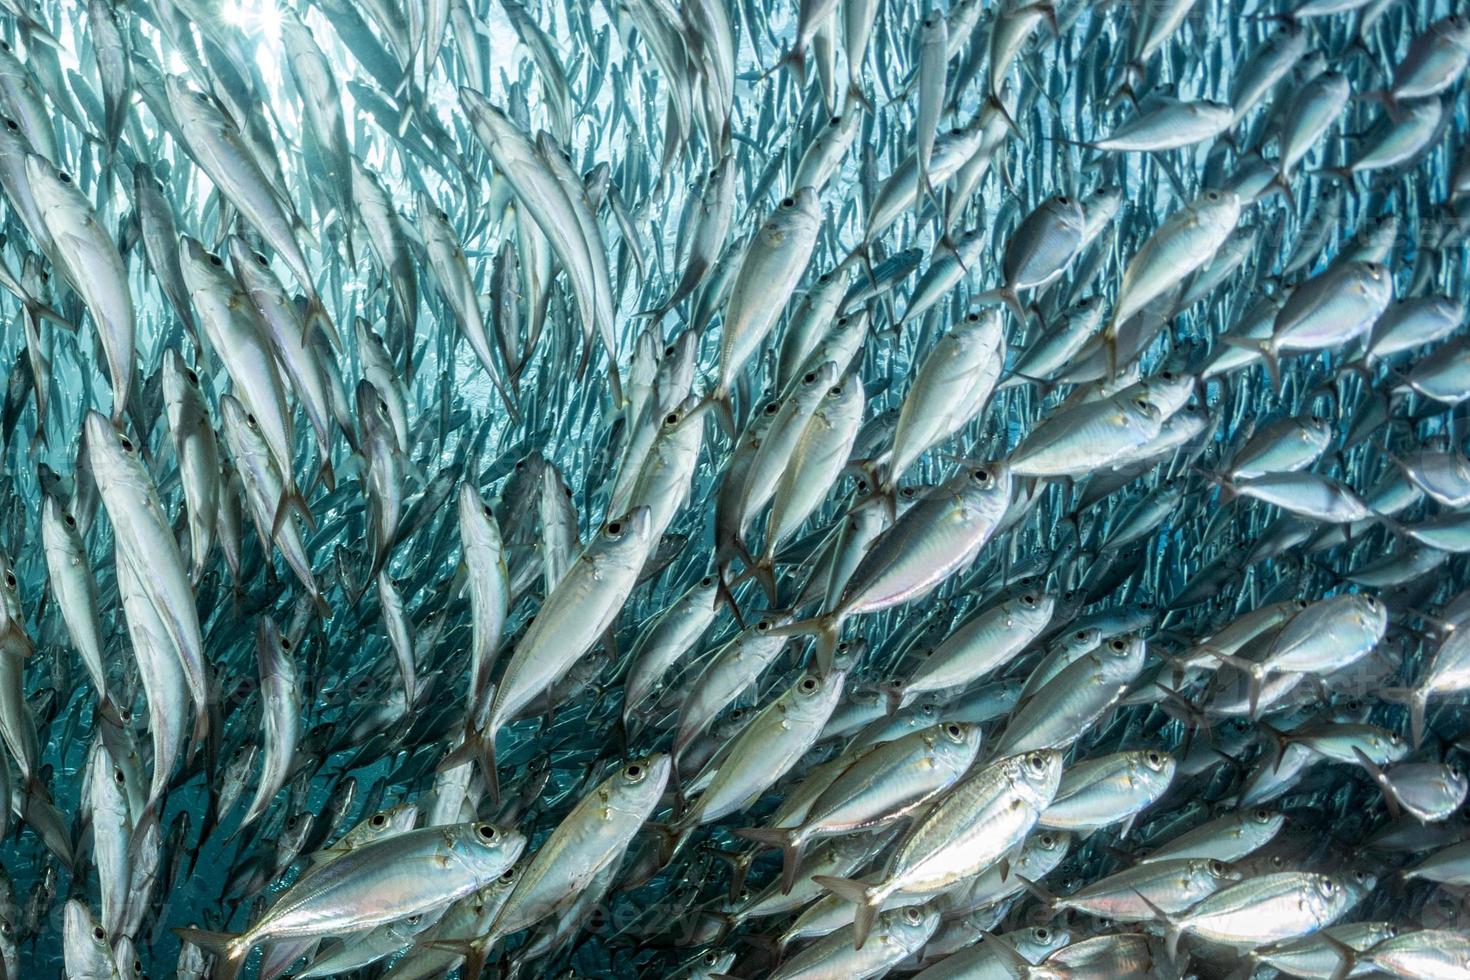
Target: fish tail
[1282, 183]
[764, 572]
[1417, 700]
[723, 594]
[719, 400]
[1268, 353]
[792, 843]
[291, 499]
[1042, 894]
[317, 315]
[228, 948]
[825, 628]
[867, 898]
[1173, 929]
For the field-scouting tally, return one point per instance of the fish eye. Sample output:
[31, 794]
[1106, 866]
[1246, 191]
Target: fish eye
[1042, 934]
[117, 776]
[126, 443]
[787, 202]
[1154, 758]
[193, 378]
[285, 643]
[68, 520]
[912, 916]
[443, 215]
[980, 476]
[615, 529]
[378, 821]
[250, 421]
[485, 831]
[1080, 636]
[1047, 840]
[488, 512]
[261, 261]
[1117, 645]
[972, 317]
[808, 685]
[844, 646]
[98, 934]
[1262, 815]
[215, 260]
[953, 731]
[707, 581]
[1212, 195]
[63, 176]
[509, 875]
[1063, 201]
[763, 626]
[1028, 600]
[771, 408]
[11, 124]
[835, 390]
[1217, 868]
[201, 97]
[836, 121]
[669, 351]
[1037, 762]
[1143, 404]
[633, 773]
[709, 959]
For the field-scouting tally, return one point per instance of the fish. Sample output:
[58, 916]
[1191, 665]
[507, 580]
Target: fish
[728, 490]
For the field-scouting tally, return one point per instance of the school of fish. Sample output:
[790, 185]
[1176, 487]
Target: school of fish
[807, 489]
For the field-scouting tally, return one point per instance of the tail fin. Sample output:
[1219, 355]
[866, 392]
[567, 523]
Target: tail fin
[1381, 778]
[792, 843]
[1418, 701]
[291, 499]
[719, 400]
[1172, 927]
[867, 898]
[226, 947]
[1268, 353]
[827, 629]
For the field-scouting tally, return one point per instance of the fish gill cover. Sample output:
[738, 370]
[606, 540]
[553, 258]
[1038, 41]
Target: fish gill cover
[745, 488]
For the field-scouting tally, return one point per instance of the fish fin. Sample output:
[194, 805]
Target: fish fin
[867, 898]
[1281, 183]
[1279, 742]
[1268, 354]
[723, 594]
[1347, 957]
[792, 844]
[291, 499]
[1256, 672]
[1044, 896]
[1172, 929]
[1381, 778]
[719, 400]
[225, 946]
[764, 572]
[827, 629]
[1417, 698]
